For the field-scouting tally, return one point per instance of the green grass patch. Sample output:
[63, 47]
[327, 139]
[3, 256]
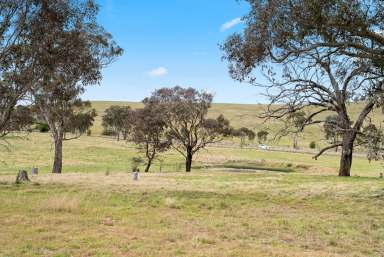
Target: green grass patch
[259, 166]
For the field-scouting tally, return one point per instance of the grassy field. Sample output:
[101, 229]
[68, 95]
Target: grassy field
[199, 214]
[100, 154]
[236, 202]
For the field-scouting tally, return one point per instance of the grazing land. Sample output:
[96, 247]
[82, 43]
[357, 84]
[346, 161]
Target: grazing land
[236, 202]
[199, 214]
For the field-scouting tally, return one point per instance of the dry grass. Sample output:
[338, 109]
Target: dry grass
[199, 214]
[63, 203]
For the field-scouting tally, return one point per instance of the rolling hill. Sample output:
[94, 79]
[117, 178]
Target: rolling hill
[246, 115]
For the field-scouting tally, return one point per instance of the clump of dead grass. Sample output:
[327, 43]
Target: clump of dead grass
[172, 203]
[63, 203]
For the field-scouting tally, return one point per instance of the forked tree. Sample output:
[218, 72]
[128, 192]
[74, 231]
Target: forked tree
[318, 56]
[188, 127]
[149, 132]
[68, 49]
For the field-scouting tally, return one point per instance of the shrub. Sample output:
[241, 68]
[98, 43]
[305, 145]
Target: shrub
[136, 161]
[312, 145]
[42, 127]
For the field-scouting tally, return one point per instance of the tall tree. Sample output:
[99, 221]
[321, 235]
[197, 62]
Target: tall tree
[149, 132]
[14, 72]
[69, 51]
[186, 112]
[318, 56]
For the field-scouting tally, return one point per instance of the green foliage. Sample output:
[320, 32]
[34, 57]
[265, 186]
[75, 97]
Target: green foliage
[42, 127]
[262, 136]
[312, 145]
[372, 139]
[136, 162]
[118, 120]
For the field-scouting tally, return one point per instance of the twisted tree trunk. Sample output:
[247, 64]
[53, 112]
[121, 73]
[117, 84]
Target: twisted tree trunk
[347, 154]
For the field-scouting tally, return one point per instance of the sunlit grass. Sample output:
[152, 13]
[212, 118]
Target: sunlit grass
[200, 214]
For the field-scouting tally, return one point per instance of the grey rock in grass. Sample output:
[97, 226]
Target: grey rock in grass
[35, 171]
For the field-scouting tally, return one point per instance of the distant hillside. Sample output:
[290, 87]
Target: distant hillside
[245, 115]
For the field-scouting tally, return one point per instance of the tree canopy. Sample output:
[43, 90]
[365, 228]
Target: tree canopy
[317, 57]
[185, 111]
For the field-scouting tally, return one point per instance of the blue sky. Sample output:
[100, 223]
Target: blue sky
[168, 43]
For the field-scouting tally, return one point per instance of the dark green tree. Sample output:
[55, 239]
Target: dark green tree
[262, 136]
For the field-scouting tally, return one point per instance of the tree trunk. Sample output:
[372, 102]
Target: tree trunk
[188, 162]
[58, 159]
[295, 142]
[148, 166]
[346, 154]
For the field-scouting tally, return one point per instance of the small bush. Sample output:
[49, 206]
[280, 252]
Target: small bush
[312, 145]
[136, 161]
[89, 132]
[42, 127]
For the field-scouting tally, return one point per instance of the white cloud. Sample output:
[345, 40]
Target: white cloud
[158, 72]
[230, 24]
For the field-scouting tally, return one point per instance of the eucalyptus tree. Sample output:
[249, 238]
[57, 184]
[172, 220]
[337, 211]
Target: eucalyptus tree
[14, 72]
[244, 134]
[118, 120]
[149, 132]
[317, 57]
[69, 50]
[189, 129]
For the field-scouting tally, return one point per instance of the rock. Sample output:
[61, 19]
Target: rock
[35, 171]
[135, 175]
